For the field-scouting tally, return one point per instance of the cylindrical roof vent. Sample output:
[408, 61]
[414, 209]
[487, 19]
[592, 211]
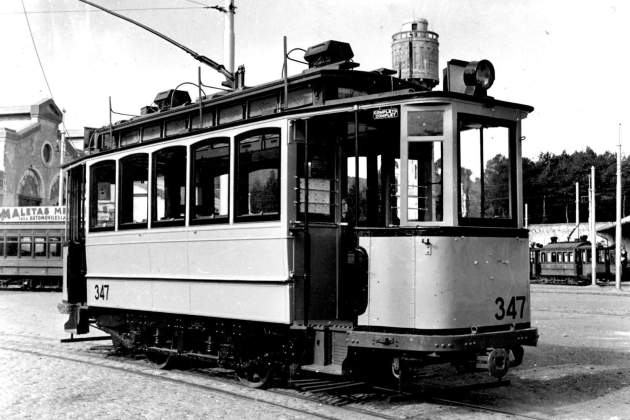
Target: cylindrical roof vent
[415, 53]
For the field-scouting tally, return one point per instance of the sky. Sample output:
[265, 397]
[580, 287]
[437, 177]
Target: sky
[568, 59]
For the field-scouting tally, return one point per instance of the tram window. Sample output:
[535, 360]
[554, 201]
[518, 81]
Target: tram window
[54, 247]
[211, 180]
[207, 119]
[108, 142]
[176, 126]
[543, 257]
[169, 186]
[485, 172]
[1, 246]
[231, 113]
[39, 247]
[321, 174]
[133, 191]
[347, 205]
[425, 123]
[26, 246]
[378, 169]
[152, 132]
[128, 137]
[263, 106]
[102, 195]
[553, 257]
[258, 174]
[424, 180]
[300, 97]
[570, 257]
[11, 247]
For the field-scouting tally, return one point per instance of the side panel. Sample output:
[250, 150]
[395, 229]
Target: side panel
[238, 272]
[255, 302]
[252, 253]
[451, 282]
[391, 281]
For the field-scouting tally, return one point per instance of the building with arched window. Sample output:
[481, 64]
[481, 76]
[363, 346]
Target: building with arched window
[30, 154]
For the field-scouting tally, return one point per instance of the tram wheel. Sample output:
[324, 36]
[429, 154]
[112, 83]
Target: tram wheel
[255, 375]
[161, 360]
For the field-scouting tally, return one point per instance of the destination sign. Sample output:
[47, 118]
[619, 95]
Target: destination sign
[385, 114]
[41, 214]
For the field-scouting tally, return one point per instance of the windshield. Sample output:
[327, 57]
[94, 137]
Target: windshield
[486, 172]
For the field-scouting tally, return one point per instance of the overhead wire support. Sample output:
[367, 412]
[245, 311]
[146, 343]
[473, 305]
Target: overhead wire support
[201, 58]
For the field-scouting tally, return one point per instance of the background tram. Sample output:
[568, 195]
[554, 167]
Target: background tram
[571, 262]
[337, 221]
[30, 247]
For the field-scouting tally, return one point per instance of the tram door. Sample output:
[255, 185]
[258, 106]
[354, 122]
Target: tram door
[74, 286]
[341, 205]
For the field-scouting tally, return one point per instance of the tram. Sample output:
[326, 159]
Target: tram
[30, 247]
[571, 263]
[338, 221]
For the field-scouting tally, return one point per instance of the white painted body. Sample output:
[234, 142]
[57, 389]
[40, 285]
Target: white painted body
[452, 283]
[202, 270]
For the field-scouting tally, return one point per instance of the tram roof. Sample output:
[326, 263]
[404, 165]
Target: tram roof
[327, 88]
[563, 246]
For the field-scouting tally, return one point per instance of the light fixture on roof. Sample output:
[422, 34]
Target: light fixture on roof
[469, 77]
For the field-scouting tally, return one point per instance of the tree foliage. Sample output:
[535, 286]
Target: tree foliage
[549, 186]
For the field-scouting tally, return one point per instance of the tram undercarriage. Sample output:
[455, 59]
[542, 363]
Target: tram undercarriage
[260, 352]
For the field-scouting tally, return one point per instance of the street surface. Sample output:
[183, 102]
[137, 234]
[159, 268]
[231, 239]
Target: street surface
[580, 370]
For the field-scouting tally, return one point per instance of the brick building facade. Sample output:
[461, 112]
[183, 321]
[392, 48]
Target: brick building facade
[29, 154]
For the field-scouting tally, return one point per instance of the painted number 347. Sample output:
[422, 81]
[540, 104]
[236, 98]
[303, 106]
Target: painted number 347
[514, 308]
[101, 292]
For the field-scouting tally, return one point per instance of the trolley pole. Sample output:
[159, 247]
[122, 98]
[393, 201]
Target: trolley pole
[593, 231]
[618, 221]
[228, 36]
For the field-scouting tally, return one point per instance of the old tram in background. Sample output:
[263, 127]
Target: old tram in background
[30, 246]
[338, 221]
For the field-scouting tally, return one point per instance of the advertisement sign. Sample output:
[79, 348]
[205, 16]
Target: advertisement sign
[44, 214]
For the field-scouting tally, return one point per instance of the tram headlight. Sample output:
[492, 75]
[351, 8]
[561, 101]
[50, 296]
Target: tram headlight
[479, 75]
[472, 78]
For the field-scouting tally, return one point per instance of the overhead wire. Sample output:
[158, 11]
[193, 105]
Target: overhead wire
[136, 9]
[41, 66]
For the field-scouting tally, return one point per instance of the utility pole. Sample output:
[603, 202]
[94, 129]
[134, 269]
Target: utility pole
[618, 224]
[577, 208]
[526, 215]
[593, 231]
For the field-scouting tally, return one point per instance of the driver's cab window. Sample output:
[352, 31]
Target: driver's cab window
[421, 198]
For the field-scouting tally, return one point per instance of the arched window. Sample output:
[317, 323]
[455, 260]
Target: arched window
[134, 189]
[28, 189]
[169, 186]
[210, 180]
[258, 175]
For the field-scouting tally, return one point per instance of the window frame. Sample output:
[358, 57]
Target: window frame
[155, 223]
[405, 141]
[92, 192]
[132, 225]
[238, 218]
[511, 222]
[191, 204]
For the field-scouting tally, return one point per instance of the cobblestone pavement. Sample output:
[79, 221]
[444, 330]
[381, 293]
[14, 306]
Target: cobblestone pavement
[580, 370]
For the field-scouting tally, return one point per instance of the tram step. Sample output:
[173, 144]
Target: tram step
[327, 369]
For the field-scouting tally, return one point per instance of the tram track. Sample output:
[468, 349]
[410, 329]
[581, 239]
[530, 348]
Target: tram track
[331, 401]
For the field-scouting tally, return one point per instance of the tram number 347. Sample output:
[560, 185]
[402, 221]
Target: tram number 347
[101, 292]
[514, 308]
